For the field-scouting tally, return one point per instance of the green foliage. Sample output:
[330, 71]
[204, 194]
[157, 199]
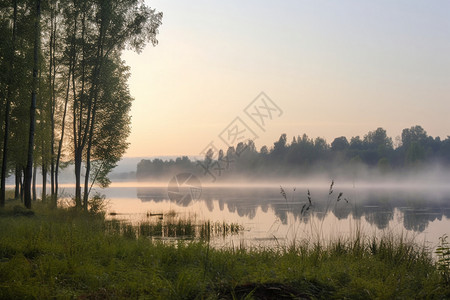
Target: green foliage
[81, 74]
[415, 154]
[97, 204]
[340, 144]
[378, 139]
[383, 165]
[415, 134]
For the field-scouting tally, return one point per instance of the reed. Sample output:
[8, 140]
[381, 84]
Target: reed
[173, 227]
[443, 255]
[308, 211]
[62, 253]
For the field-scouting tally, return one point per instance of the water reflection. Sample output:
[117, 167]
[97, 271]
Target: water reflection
[376, 207]
[265, 214]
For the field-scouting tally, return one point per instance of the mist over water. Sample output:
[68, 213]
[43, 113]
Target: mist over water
[416, 204]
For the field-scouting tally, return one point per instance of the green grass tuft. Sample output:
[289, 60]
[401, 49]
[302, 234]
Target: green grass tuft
[65, 253]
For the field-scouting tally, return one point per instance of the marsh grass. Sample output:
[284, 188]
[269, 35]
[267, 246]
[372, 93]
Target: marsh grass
[64, 253]
[312, 217]
[443, 255]
[173, 228]
[170, 226]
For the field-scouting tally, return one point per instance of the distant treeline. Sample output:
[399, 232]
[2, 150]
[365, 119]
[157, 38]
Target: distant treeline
[304, 155]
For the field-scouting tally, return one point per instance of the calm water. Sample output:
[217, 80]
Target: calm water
[269, 219]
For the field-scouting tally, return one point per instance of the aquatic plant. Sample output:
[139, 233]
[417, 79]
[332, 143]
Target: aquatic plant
[443, 256]
[63, 253]
[307, 209]
[173, 227]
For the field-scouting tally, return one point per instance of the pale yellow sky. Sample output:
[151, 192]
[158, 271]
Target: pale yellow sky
[333, 67]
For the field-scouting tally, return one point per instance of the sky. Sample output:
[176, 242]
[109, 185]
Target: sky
[226, 71]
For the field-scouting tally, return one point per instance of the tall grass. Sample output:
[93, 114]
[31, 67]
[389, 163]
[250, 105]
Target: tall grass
[63, 253]
[313, 218]
[443, 255]
[173, 228]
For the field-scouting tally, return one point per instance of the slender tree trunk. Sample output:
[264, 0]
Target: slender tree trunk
[34, 182]
[44, 170]
[5, 151]
[18, 181]
[51, 80]
[88, 151]
[88, 160]
[7, 111]
[85, 133]
[52, 165]
[22, 179]
[78, 157]
[86, 179]
[78, 179]
[91, 135]
[44, 182]
[63, 123]
[81, 133]
[28, 170]
[76, 119]
[93, 105]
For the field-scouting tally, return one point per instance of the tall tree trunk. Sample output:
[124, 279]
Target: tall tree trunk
[18, 181]
[77, 107]
[51, 82]
[78, 179]
[22, 179]
[92, 125]
[89, 146]
[34, 182]
[80, 131]
[92, 109]
[86, 178]
[7, 110]
[63, 123]
[88, 159]
[28, 170]
[44, 169]
[44, 182]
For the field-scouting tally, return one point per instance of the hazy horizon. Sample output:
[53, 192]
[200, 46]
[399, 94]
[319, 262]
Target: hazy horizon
[333, 69]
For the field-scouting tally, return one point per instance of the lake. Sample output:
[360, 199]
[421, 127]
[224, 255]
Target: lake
[269, 219]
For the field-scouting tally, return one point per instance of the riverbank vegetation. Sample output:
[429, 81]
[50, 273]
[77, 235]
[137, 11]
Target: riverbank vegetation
[68, 253]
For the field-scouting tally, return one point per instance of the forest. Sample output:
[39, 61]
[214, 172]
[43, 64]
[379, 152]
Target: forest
[413, 151]
[63, 90]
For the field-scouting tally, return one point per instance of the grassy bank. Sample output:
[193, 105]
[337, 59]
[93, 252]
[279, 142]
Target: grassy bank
[67, 254]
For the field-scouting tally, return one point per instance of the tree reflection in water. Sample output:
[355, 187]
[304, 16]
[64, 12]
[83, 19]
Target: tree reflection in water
[377, 207]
